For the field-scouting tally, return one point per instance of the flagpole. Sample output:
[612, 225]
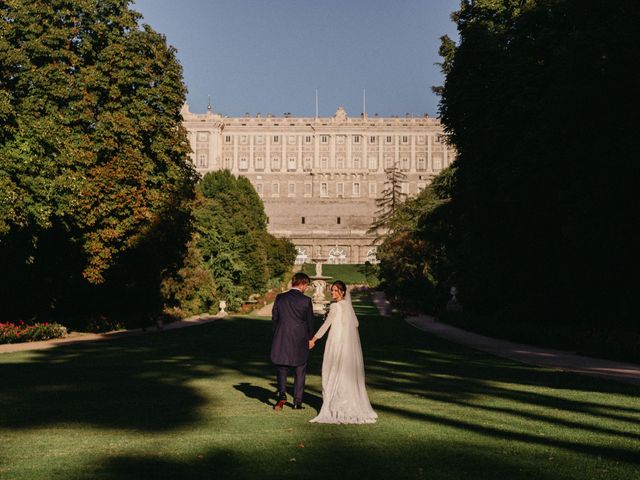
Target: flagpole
[364, 103]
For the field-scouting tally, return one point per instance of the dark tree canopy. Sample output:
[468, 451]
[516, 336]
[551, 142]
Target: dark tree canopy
[540, 101]
[94, 186]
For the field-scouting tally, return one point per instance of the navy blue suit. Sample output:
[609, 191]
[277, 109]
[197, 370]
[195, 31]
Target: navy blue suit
[292, 321]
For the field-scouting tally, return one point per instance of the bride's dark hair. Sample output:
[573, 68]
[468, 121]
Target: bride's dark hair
[341, 286]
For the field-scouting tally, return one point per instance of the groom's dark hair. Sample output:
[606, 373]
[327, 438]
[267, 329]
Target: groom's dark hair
[300, 278]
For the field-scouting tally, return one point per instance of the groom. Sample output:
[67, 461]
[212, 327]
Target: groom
[292, 321]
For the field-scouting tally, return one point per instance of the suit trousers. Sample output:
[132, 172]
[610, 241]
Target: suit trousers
[298, 381]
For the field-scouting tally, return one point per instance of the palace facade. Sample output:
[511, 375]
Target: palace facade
[319, 177]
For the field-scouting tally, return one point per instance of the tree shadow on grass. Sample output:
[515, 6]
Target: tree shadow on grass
[339, 458]
[142, 382]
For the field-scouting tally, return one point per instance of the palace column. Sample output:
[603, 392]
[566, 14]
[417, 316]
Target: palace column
[429, 154]
[396, 158]
[412, 160]
[316, 151]
[234, 167]
[332, 152]
[267, 153]
[283, 160]
[252, 165]
[364, 161]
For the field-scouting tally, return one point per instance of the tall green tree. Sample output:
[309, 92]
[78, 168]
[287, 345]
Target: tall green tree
[233, 245]
[94, 186]
[413, 259]
[540, 103]
[389, 200]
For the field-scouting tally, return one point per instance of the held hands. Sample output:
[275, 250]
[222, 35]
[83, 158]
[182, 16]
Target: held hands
[312, 343]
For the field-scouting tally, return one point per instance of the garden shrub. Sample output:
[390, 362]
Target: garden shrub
[21, 332]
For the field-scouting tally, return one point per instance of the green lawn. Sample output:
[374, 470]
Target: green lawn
[196, 403]
[359, 274]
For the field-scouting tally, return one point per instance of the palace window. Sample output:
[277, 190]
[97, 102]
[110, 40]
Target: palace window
[323, 163]
[339, 163]
[337, 255]
[405, 139]
[388, 139]
[372, 139]
[356, 189]
[303, 220]
[437, 162]
[324, 189]
[301, 256]
[275, 189]
[339, 188]
[275, 163]
[421, 164]
[276, 139]
[324, 138]
[373, 163]
[356, 162]
[243, 139]
[340, 139]
[291, 163]
[372, 255]
[307, 189]
[421, 139]
[202, 160]
[243, 164]
[307, 139]
[291, 139]
[259, 139]
[228, 163]
[388, 162]
[405, 163]
[338, 221]
[436, 139]
[227, 139]
[372, 189]
[292, 189]
[259, 188]
[259, 163]
[307, 164]
[356, 139]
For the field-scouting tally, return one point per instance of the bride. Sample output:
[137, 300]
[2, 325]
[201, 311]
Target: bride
[344, 393]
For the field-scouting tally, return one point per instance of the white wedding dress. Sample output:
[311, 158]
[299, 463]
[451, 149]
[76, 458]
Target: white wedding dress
[344, 394]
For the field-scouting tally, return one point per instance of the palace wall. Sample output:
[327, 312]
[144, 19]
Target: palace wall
[319, 177]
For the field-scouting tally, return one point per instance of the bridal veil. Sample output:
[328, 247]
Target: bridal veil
[344, 393]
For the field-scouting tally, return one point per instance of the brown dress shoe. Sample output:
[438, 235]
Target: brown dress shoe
[278, 406]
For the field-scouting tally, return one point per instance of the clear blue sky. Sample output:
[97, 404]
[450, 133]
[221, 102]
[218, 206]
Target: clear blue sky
[269, 56]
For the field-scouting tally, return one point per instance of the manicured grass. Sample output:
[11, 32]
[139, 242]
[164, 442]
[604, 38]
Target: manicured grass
[348, 273]
[196, 404]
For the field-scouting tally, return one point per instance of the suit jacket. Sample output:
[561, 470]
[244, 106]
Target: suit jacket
[292, 321]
